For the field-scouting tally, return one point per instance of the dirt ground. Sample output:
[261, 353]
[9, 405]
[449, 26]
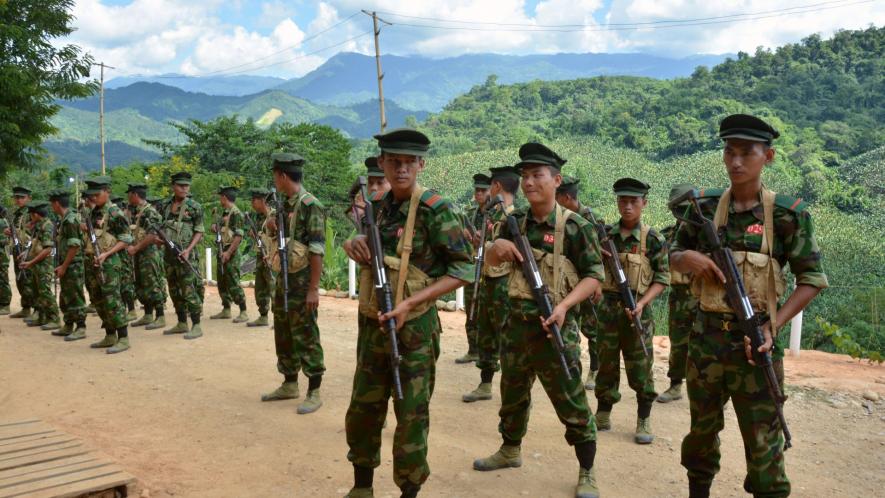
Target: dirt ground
[184, 417]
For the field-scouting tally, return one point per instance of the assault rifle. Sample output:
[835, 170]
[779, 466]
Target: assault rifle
[739, 300]
[96, 250]
[539, 291]
[155, 229]
[383, 292]
[262, 251]
[613, 263]
[17, 250]
[481, 256]
[282, 250]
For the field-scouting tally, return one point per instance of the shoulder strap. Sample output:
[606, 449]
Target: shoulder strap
[301, 195]
[643, 238]
[405, 244]
[562, 215]
[768, 198]
[721, 216]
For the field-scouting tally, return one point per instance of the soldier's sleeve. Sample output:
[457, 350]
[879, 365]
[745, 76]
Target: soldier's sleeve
[198, 217]
[659, 256]
[45, 235]
[316, 228]
[151, 217]
[446, 234]
[583, 249]
[119, 227]
[237, 223]
[803, 253]
[71, 232]
[686, 238]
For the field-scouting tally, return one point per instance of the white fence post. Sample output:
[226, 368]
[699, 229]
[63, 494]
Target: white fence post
[351, 278]
[796, 334]
[208, 264]
[459, 298]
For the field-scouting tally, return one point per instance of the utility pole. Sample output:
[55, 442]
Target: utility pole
[101, 113]
[377, 30]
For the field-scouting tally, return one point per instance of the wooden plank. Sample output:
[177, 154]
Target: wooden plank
[57, 439]
[7, 423]
[17, 431]
[85, 481]
[62, 463]
[72, 449]
[74, 490]
[45, 475]
[32, 437]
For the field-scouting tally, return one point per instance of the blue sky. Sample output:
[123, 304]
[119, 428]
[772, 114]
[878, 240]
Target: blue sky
[288, 38]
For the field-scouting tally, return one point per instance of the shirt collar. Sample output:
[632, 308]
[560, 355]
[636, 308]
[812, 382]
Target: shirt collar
[636, 232]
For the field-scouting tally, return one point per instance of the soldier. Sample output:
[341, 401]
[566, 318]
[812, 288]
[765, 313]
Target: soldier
[68, 243]
[127, 280]
[682, 309]
[491, 315]
[147, 258]
[113, 235]
[567, 197]
[376, 182]
[263, 235]
[84, 210]
[473, 220]
[5, 289]
[566, 243]
[232, 226]
[296, 334]
[770, 230]
[183, 224]
[21, 196]
[421, 231]
[644, 258]
[39, 265]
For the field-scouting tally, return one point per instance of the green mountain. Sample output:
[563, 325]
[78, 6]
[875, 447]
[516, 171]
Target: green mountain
[212, 85]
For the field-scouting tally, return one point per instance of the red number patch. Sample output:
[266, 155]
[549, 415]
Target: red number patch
[756, 229]
[548, 238]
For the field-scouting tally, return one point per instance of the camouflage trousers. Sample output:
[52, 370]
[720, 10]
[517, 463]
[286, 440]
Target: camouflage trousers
[127, 278]
[470, 327]
[296, 334]
[106, 296]
[264, 286]
[683, 307]
[589, 326]
[491, 321]
[5, 289]
[150, 278]
[618, 337]
[185, 288]
[24, 284]
[527, 353]
[229, 282]
[718, 371]
[71, 298]
[372, 387]
[42, 281]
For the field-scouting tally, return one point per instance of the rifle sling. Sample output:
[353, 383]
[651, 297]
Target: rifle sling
[405, 244]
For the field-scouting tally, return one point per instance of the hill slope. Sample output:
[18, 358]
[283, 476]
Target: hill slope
[212, 85]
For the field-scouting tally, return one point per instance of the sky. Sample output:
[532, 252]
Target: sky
[290, 38]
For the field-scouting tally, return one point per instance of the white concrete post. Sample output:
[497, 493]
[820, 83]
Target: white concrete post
[351, 278]
[459, 298]
[796, 334]
[208, 264]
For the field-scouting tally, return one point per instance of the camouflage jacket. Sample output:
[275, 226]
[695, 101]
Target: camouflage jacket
[656, 250]
[41, 235]
[191, 220]
[112, 219]
[68, 235]
[143, 217]
[234, 220]
[20, 221]
[309, 225]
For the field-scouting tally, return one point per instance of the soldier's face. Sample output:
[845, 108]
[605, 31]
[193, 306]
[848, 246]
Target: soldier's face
[101, 198]
[631, 208]
[744, 160]
[225, 202]
[35, 217]
[133, 198]
[258, 204]
[180, 190]
[539, 184]
[56, 207]
[480, 195]
[567, 201]
[21, 200]
[401, 171]
[377, 184]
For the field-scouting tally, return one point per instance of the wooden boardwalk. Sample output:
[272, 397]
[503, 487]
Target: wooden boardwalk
[39, 461]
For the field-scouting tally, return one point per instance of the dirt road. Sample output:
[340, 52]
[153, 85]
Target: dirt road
[184, 417]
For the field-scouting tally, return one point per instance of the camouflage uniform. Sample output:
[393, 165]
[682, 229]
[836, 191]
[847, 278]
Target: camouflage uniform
[617, 336]
[229, 284]
[127, 278]
[296, 334]
[526, 352]
[149, 272]
[717, 365]
[20, 222]
[587, 312]
[109, 303]
[264, 276]
[185, 288]
[72, 300]
[41, 274]
[493, 307]
[682, 309]
[473, 217]
[5, 289]
[439, 249]
[84, 212]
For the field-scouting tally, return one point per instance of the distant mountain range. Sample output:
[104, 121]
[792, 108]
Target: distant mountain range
[212, 85]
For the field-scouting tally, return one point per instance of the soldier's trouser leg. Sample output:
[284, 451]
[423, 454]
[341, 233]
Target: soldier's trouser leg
[682, 306]
[111, 301]
[150, 279]
[588, 330]
[470, 327]
[616, 337]
[24, 286]
[296, 334]
[127, 279]
[72, 300]
[45, 302]
[5, 289]
[373, 385]
[235, 293]
[525, 353]
[489, 323]
[264, 285]
[222, 282]
[718, 371]
[185, 288]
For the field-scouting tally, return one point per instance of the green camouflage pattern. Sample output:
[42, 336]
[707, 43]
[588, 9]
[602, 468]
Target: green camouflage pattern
[264, 275]
[493, 308]
[71, 299]
[472, 217]
[127, 279]
[25, 286]
[41, 274]
[717, 372]
[109, 302]
[682, 307]
[587, 314]
[229, 284]
[439, 249]
[150, 273]
[185, 288]
[5, 244]
[657, 250]
[296, 334]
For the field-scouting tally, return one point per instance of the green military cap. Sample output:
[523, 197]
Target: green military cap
[57, 194]
[181, 178]
[481, 180]
[504, 172]
[227, 189]
[19, 191]
[569, 184]
[371, 163]
[533, 154]
[404, 141]
[97, 184]
[678, 190]
[38, 206]
[748, 128]
[630, 187]
[136, 187]
[259, 193]
[287, 161]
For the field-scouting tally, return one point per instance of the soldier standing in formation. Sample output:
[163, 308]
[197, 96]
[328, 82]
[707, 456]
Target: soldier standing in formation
[296, 334]
[5, 289]
[84, 209]
[232, 227]
[127, 280]
[39, 265]
[473, 221]
[147, 258]
[70, 269]
[21, 196]
[492, 302]
[567, 197]
[183, 225]
[767, 231]
[264, 239]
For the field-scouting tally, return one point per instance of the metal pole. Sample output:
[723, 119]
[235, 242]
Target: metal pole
[378, 66]
[796, 334]
[101, 114]
[459, 298]
[351, 278]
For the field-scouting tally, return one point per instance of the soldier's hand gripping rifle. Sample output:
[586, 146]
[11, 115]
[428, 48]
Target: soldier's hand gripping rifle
[219, 245]
[262, 251]
[481, 256]
[739, 301]
[17, 249]
[96, 250]
[383, 292]
[282, 250]
[613, 263]
[177, 251]
[539, 291]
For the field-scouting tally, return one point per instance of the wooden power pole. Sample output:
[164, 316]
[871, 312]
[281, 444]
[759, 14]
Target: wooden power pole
[101, 113]
[377, 31]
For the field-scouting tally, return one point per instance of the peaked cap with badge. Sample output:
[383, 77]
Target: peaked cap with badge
[747, 127]
[534, 154]
[406, 141]
[482, 180]
[372, 167]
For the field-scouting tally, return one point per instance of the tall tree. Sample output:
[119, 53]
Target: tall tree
[34, 73]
